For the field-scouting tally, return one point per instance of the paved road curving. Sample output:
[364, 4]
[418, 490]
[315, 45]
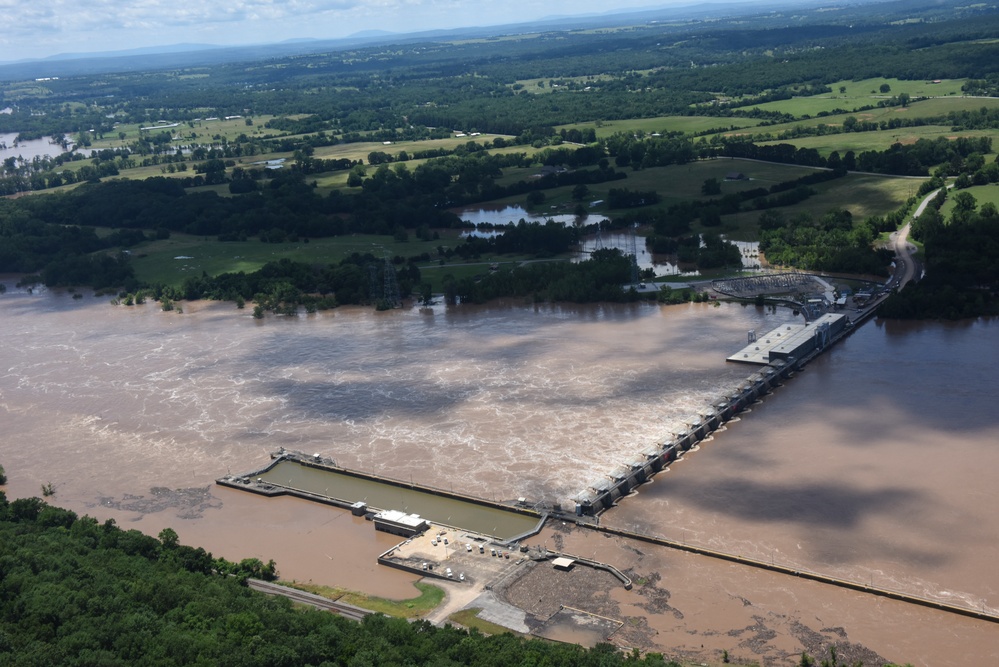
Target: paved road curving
[907, 268]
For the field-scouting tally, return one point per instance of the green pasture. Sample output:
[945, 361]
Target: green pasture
[861, 93]
[14, 91]
[205, 131]
[331, 180]
[939, 106]
[982, 194]
[360, 150]
[674, 183]
[172, 261]
[843, 142]
[684, 181]
[157, 261]
[921, 109]
[335, 180]
[861, 194]
[679, 183]
[459, 270]
[685, 124]
[532, 85]
[328, 180]
[879, 141]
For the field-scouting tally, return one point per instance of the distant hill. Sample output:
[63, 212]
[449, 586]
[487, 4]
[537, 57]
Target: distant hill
[125, 53]
[193, 55]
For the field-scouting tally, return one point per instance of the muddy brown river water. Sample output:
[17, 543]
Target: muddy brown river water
[877, 463]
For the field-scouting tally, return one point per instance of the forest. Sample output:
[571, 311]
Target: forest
[962, 263]
[74, 591]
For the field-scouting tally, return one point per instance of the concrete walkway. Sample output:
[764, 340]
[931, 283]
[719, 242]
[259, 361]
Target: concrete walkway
[457, 597]
[466, 596]
[502, 613]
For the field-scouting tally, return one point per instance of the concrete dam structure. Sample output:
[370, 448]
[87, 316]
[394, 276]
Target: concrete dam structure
[780, 353]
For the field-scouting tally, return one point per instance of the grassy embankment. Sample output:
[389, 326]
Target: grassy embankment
[469, 618]
[429, 598]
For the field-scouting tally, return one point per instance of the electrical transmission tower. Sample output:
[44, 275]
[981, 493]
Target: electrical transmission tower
[633, 249]
[391, 294]
[374, 288]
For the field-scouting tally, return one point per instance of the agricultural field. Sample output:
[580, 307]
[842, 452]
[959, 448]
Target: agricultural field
[982, 193]
[879, 141]
[920, 109]
[863, 195]
[683, 182]
[204, 131]
[173, 260]
[361, 150]
[542, 85]
[691, 125]
[861, 93]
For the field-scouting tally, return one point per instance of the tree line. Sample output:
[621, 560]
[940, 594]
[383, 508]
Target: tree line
[77, 592]
[962, 263]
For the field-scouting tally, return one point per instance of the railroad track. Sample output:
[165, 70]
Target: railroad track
[317, 601]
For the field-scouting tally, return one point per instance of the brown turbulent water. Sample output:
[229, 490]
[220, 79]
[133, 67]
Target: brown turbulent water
[875, 464]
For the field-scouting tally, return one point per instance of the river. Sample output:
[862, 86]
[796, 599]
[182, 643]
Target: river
[876, 463]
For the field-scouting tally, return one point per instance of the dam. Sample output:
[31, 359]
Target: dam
[780, 353]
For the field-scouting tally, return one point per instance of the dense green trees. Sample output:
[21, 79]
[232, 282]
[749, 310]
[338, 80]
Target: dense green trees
[285, 286]
[962, 264]
[833, 242]
[77, 592]
[599, 278]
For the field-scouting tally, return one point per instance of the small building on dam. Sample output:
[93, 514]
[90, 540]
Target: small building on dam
[791, 342]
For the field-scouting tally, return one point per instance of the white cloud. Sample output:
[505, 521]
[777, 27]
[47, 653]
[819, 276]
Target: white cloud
[68, 17]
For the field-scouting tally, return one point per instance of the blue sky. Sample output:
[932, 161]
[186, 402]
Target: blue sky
[40, 28]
